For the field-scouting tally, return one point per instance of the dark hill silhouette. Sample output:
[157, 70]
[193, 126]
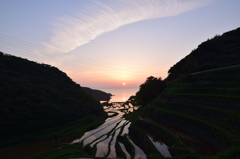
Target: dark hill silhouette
[197, 114]
[38, 96]
[98, 94]
[220, 51]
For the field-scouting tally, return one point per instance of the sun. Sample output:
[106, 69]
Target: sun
[124, 84]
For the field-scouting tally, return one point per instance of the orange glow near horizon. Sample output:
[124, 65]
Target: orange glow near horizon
[93, 78]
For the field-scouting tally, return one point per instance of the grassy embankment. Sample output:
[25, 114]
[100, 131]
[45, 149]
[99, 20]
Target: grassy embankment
[48, 141]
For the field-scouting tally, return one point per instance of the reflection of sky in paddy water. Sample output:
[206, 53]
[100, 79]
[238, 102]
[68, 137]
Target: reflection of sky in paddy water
[98, 140]
[90, 136]
[109, 114]
[125, 130]
[99, 134]
[112, 147]
[125, 151]
[102, 148]
[105, 136]
[138, 152]
[162, 148]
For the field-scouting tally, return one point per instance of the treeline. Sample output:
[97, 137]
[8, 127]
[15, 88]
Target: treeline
[220, 51]
[38, 96]
[149, 90]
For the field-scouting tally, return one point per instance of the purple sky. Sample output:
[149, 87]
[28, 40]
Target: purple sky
[106, 43]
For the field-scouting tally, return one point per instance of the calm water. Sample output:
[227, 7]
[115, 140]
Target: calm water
[104, 137]
[121, 94]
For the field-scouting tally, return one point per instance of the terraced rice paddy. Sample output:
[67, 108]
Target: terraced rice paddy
[112, 139]
[202, 111]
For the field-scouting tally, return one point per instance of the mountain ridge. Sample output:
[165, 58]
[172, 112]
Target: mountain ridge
[37, 96]
[219, 51]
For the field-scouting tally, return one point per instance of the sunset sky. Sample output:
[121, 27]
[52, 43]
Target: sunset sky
[105, 43]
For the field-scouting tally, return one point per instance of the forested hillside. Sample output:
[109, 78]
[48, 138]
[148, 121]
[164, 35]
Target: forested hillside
[220, 51]
[36, 96]
[196, 115]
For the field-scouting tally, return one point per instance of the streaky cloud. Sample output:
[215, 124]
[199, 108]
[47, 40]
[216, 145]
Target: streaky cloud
[72, 31]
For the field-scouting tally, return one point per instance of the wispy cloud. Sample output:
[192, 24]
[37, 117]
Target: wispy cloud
[70, 32]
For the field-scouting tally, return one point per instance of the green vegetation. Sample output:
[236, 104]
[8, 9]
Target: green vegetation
[76, 150]
[202, 105]
[149, 90]
[220, 51]
[129, 147]
[205, 105]
[142, 140]
[36, 97]
[119, 151]
[53, 143]
[162, 132]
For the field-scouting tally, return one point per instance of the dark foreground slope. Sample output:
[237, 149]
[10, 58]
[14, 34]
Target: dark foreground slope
[198, 114]
[34, 97]
[205, 105]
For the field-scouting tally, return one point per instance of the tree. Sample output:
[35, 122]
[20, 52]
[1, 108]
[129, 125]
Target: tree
[149, 90]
